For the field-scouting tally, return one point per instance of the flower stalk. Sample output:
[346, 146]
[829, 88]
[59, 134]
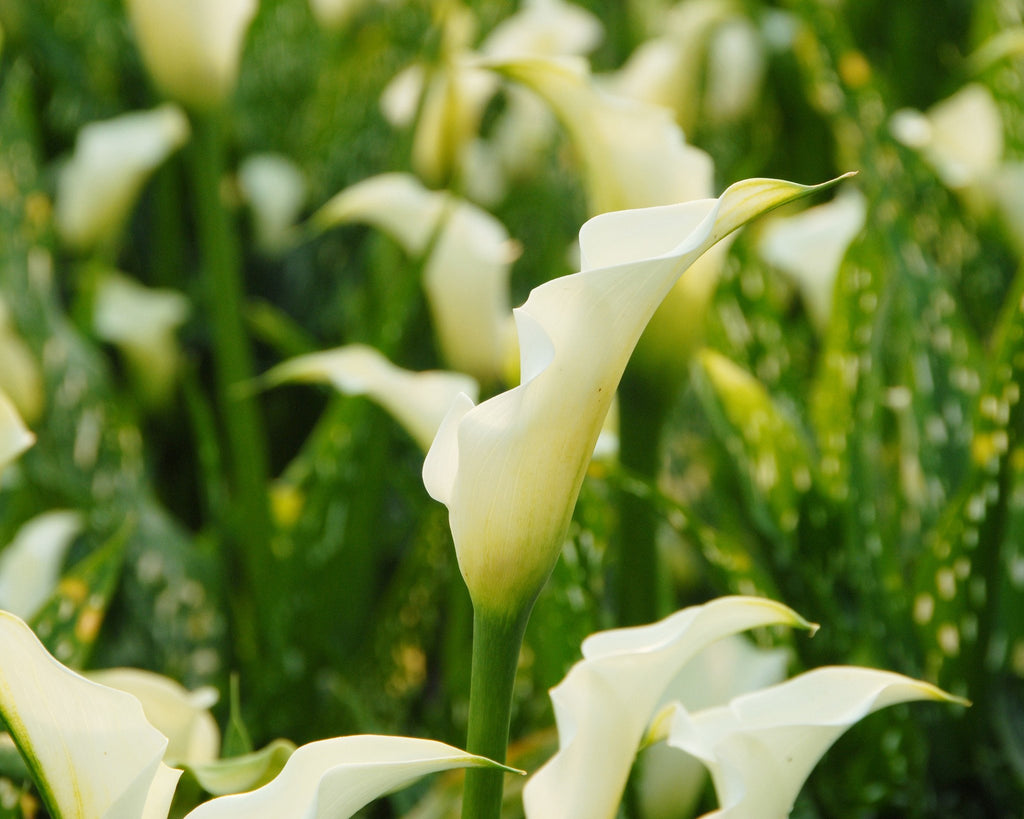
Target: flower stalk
[496, 643]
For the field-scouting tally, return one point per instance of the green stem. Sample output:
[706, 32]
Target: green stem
[496, 643]
[639, 579]
[221, 270]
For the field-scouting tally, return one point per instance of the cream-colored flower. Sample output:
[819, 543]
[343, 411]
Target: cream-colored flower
[809, 248]
[192, 48]
[510, 469]
[275, 189]
[142, 322]
[20, 377]
[97, 187]
[30, 564]
[466, 273]
[417, 400]
[15, 437]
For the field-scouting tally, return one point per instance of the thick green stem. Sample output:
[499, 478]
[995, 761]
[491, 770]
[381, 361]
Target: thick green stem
[639, 579]
[249, 517]
[496, 643]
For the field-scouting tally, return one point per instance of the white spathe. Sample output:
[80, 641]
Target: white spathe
[92, 752]
[20, 375]
[97, 187]
[632, 153]
[334, 778]
[761, 747]
[466, 271]
[417, 400]
[89, 748]
[192, 48]
[30, 564]
[275, 188]
[607, 700]
[15, 437]
[809, 248]
[181, 715]
[510, 469]
[545, 27]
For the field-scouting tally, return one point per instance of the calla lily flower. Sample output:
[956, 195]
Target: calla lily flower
[92, 752]
[275, 189]
[466, 273]
[633, 154]
[671, 781]
[418, 401]
[545, 27]
[30, 564]
[607, 700]
[761, 747]
[142, 321]
[99, 184]
[181, 715]
[20, 377]
[510, 470]
[961, 136]
[15, 437]
[809, 248]
[192, 48]
[334, 14]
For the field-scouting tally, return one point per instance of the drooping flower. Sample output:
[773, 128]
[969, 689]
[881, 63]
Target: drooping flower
[275, 189]
[92, 753]
[465, 275]
[417, 400]
[510, 469]
[192, 48]
[20, 376]
[142, 322]
[30, 564]
[98, 186]
[15, 437]
[809, 248]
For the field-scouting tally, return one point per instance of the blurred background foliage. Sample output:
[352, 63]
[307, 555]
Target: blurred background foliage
[895, 511]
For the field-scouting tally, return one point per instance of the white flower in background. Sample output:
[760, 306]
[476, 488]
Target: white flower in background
[20, 377]
[735, 70]
[97, 187]
[762, 746]
[142, 322]
[335, 14]
[276, 190]
[466, 271]
[670, 781]
[809, 248]
[632, 154]
[15, 437]
[192, 48]
[961, 137]
[759, 748]
[417, 400]
[510, 469]
[30, 565]
[544, 27]
[92, 752]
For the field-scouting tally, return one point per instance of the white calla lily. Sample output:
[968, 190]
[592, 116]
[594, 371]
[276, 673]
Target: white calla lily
[30, 564]
[960, 136]
[112, 160]
[761, 747]
[633, 154]
[334, 14]
[15, 437]
[334, 778]
[92, 752]
[545, 27]
[89, 748]
[142, 322]
[417, 400]
[606, 701]
[181, 715]
[809, 248]
[20, 376]
[275, 189]
[192, 48]
[671, 781]
[510, 470]
[466, 273]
